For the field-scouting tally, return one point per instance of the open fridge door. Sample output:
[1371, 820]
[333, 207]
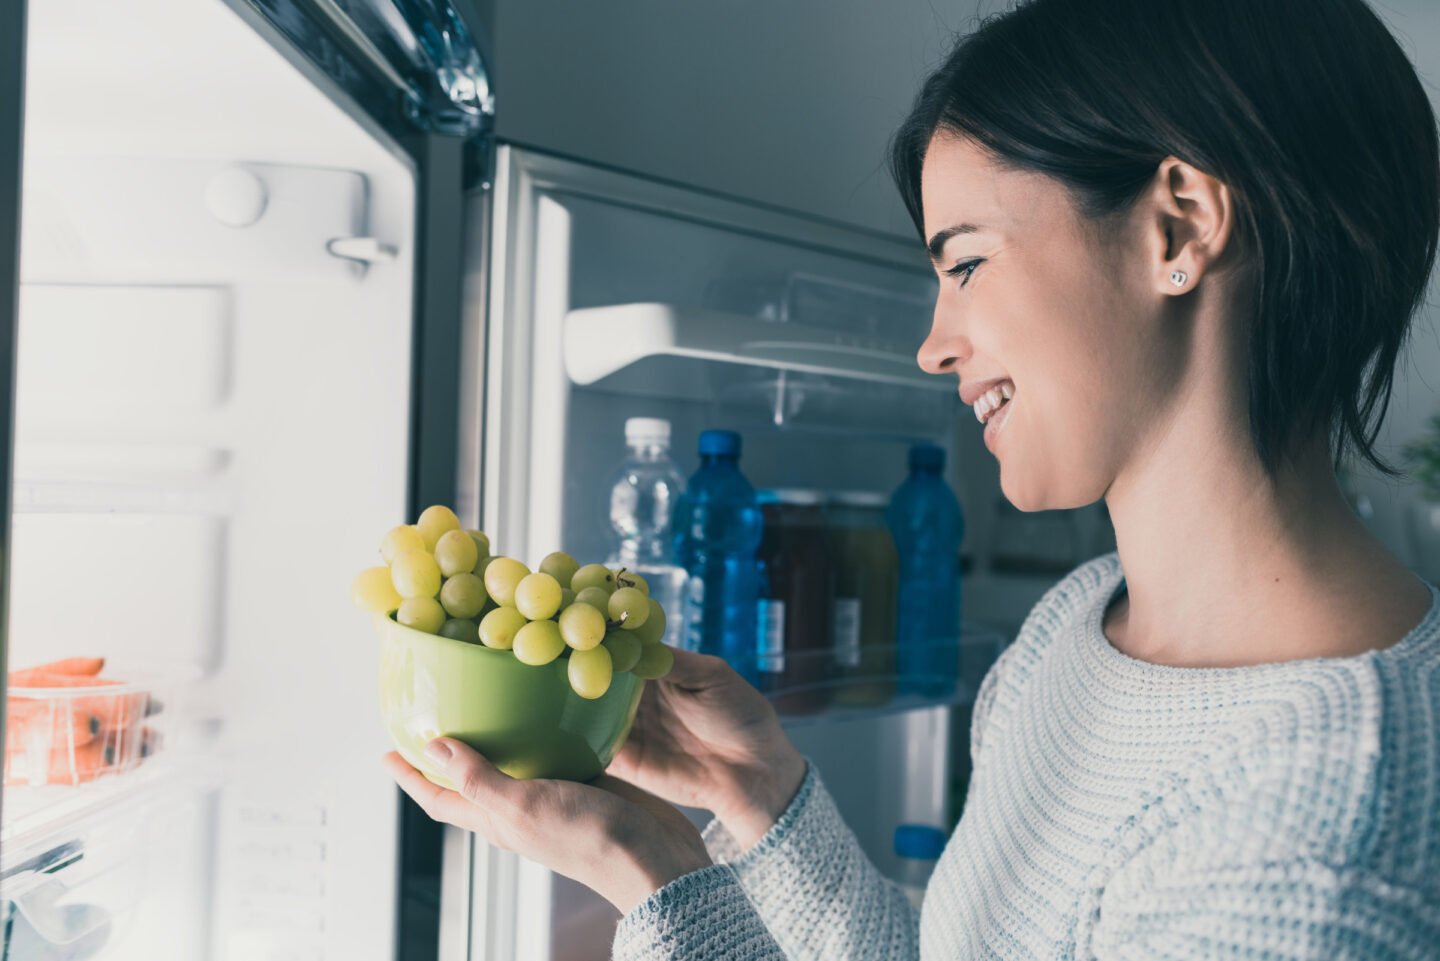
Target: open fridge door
[613, 296]
[242, 229]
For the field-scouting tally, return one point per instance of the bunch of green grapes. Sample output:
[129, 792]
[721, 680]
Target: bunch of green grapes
[441, 579]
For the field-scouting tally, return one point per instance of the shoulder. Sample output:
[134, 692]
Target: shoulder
[1058, 611]
[1332, 762]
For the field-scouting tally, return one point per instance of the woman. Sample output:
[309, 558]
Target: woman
[1186, 240]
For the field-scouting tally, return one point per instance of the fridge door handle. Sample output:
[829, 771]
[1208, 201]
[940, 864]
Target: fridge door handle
[362, 250]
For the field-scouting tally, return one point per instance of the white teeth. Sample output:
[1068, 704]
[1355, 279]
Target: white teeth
[988, 402]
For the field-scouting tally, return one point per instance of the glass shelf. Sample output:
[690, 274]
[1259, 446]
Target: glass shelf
[813, 686]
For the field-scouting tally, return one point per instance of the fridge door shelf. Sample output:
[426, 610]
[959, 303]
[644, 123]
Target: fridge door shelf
[72, 888]
[600, 342]
[815, 686]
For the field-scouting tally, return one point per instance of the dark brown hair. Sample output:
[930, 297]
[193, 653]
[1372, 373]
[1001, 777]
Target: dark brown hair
[1307, 109]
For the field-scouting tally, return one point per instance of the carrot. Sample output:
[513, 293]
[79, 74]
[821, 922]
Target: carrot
[34, 677]
[89, 666]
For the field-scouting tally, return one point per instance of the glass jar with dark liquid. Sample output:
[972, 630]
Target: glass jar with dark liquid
[795, 644]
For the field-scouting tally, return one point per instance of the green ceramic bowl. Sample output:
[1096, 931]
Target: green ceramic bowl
[525, 719]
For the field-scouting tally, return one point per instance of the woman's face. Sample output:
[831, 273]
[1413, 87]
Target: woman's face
[1034, 297]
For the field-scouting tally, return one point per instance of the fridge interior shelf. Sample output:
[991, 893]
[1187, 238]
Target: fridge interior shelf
[602, 341]
[814, 686]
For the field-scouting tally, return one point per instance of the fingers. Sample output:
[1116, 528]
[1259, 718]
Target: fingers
[693, 669]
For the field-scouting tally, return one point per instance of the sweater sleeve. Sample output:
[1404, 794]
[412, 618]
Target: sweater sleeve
[816, 889]
[703, 916]
[805, 891]
[1300, 910]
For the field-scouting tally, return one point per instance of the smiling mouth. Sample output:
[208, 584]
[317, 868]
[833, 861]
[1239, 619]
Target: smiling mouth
[994, 400]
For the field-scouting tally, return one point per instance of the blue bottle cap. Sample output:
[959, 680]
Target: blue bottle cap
[919, 841]
[927, 455]
[719, 443]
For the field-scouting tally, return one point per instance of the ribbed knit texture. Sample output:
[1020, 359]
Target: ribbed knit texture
[1122, 810]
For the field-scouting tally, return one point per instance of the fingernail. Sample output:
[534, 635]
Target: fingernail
[438, 751]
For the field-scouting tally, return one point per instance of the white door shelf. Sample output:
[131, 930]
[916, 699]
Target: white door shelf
[601, 341]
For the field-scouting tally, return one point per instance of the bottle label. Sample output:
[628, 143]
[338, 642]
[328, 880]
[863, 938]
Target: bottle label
[772, 636]
[847, 631]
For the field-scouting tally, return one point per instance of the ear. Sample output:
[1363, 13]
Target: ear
[1194, 215]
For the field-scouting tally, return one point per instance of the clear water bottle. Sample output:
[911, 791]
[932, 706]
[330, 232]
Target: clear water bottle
[918, 846]
[717, 528]
[927, 525]
[647, 485]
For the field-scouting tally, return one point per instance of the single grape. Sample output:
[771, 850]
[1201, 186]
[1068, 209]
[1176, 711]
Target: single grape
[624, 649]
[502, 576]
[538, 643]
[422, 613]
[560, 566]
[400, 539]
[480, 565]
[482, 542]
[373, 591]
[590, 672]
[629, 608]
[463, 596]
[596, 597]
[415, 574]
[631, 579]
[455, 553]
[582, 626]
[655, 662]
[460, 629]
[653, 630]
[434, 522]
[593, 575]
[538, 596]
[499, 627]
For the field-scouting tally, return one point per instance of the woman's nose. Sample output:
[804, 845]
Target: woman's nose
[940, 353]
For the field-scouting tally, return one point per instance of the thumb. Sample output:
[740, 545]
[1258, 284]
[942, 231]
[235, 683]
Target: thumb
[474, 777]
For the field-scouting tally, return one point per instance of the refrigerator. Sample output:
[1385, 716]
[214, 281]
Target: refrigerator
[268, 287]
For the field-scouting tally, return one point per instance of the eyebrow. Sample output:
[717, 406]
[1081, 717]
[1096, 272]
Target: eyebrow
[936, 246]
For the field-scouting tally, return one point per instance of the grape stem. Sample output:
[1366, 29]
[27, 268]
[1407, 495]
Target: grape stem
[623, 581]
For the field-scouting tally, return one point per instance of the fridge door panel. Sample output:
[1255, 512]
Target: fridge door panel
[217, 291]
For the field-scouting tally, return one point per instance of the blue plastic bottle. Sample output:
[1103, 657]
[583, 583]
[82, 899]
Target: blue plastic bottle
[717, 528]
[927, 525]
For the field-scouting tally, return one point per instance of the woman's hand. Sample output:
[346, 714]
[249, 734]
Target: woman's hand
[610, 836]
[705, 738]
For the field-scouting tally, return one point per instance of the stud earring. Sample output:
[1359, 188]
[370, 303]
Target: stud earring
[1179, 277]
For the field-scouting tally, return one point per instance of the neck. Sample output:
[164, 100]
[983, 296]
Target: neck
[1226, 567]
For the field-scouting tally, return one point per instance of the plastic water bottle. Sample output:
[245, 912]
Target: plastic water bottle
[927, 525]
[647, 485]
[918, 846]
[717, 528]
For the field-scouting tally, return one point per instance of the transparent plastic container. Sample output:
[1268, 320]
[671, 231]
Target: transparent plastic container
[81, 732]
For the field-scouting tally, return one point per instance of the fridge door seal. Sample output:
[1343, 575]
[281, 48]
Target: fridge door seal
[12, 133]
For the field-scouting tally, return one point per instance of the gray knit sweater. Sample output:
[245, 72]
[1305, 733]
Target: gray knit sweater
[1120, 809]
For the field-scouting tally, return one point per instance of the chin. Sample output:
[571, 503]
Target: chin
[1028, 493]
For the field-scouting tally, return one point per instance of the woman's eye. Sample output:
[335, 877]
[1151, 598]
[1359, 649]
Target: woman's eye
[963, 271]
